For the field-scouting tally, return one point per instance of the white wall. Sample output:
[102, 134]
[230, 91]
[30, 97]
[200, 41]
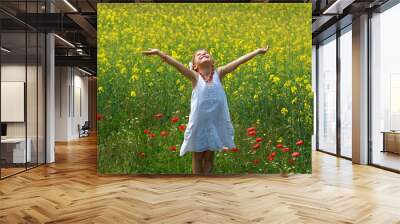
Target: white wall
[16, 72]
[80, 89]
[62, 82]
[13, 72]
[34, 125]
[70, 83]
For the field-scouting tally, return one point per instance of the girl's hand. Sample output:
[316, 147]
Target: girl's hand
[151, 51]
[263, 50]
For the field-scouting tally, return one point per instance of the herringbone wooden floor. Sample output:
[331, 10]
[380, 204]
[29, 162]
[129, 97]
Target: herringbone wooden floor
[70, 191]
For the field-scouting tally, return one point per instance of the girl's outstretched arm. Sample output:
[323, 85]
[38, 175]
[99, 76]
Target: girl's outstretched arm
[231, 66]
[172, 61]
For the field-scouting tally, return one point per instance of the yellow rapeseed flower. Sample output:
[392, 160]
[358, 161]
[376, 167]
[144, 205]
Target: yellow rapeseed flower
[293, 89]
[309, 88]
[133, 93]
[134, 77]
[276, 80]
[175, 55]
[100, 89]
[287, 84]
[284, 110]
[266, 66]
[135, 70]
[160, 69]
[122, 70]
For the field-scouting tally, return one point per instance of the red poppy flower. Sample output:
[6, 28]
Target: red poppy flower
[164, 133]
[235, 149]
[159, 116]
[141, 154]
[295, 154]
[251, 133]
[273, 153]
[256, 146]
[279, 146]
[152, 135]
[182, 127]
[172, 148]
[146, 131]
[286, 149]
[300, 142]
[259, 139]
[225, 150]
[270, 158]
[99, 117]
[256, 161]
[251, 129]
[174, 119]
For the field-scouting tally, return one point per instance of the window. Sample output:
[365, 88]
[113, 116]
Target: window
[385, 89]
[327, 95]
[346, 92]
[22, 77]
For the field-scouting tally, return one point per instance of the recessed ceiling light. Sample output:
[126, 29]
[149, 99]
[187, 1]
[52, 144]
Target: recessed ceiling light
[338, 6]
[64, 40]
[70, 5]
[5, 50]
[84, 71]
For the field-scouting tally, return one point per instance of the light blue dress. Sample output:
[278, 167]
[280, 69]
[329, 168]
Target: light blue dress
[210, 126]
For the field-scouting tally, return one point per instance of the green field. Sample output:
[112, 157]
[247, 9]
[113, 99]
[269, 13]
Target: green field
[272, 92]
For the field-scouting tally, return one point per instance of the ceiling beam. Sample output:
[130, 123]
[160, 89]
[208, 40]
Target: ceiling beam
[82, 61]
[86, 26]
[337, 7]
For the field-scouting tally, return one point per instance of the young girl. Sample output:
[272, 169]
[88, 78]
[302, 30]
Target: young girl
[210, 126]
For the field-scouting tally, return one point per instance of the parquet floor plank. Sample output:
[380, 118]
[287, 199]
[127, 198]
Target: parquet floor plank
[71, 191]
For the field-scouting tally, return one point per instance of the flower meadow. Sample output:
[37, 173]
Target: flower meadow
[143, 103]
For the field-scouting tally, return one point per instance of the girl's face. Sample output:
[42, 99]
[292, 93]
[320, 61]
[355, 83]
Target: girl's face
[202, 57]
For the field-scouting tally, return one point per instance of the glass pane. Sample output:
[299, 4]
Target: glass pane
[14, 153]
[346, 94]
[385, 89]
[31, 97]
[41, 98]
[327, 96]
[32, 87]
